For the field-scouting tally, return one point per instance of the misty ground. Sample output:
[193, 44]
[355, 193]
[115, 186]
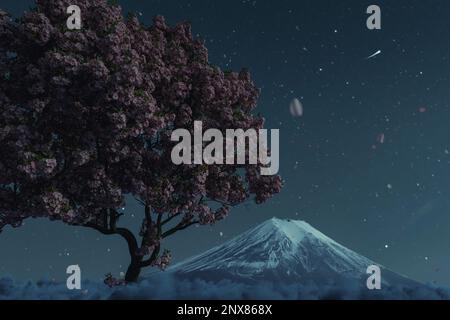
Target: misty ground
[168, 287]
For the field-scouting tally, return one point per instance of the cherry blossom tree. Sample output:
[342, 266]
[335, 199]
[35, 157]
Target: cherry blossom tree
[86, 118]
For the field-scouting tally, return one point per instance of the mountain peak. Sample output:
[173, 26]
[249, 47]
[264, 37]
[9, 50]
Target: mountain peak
[277, 250]
[295, 230]
[285, 249]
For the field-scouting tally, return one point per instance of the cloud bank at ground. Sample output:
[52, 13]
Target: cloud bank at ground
[169, 287]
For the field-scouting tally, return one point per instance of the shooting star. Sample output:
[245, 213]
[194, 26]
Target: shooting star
[374, 55]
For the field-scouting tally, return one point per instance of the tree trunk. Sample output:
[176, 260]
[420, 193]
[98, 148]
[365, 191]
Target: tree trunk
[133, 271]
[137, 263]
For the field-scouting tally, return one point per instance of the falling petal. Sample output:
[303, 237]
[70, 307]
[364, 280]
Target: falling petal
[381, 137]
[296, 108]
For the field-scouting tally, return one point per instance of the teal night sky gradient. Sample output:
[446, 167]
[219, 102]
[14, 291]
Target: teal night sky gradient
[334, 179]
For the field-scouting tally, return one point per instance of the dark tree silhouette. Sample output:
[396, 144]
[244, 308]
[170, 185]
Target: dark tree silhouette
[86, 118]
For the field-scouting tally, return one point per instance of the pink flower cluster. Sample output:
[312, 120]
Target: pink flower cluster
[112, 282]
[163, 260]
[86, 118]
[57, 207]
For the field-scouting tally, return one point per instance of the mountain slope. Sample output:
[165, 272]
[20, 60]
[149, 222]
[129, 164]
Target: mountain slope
[282, 250]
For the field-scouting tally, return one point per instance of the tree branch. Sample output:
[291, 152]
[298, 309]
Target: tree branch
[170, 218]
[159, 224]
[148, 215]
[221, 202]
[152, 258]
[179, 227]
[113, 218]
[140, 201]
[123, 232]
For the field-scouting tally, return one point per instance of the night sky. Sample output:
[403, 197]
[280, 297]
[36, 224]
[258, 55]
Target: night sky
[390, 203]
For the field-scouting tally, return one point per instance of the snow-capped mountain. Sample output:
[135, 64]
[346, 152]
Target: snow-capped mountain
[277, 260]
[285, 251]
